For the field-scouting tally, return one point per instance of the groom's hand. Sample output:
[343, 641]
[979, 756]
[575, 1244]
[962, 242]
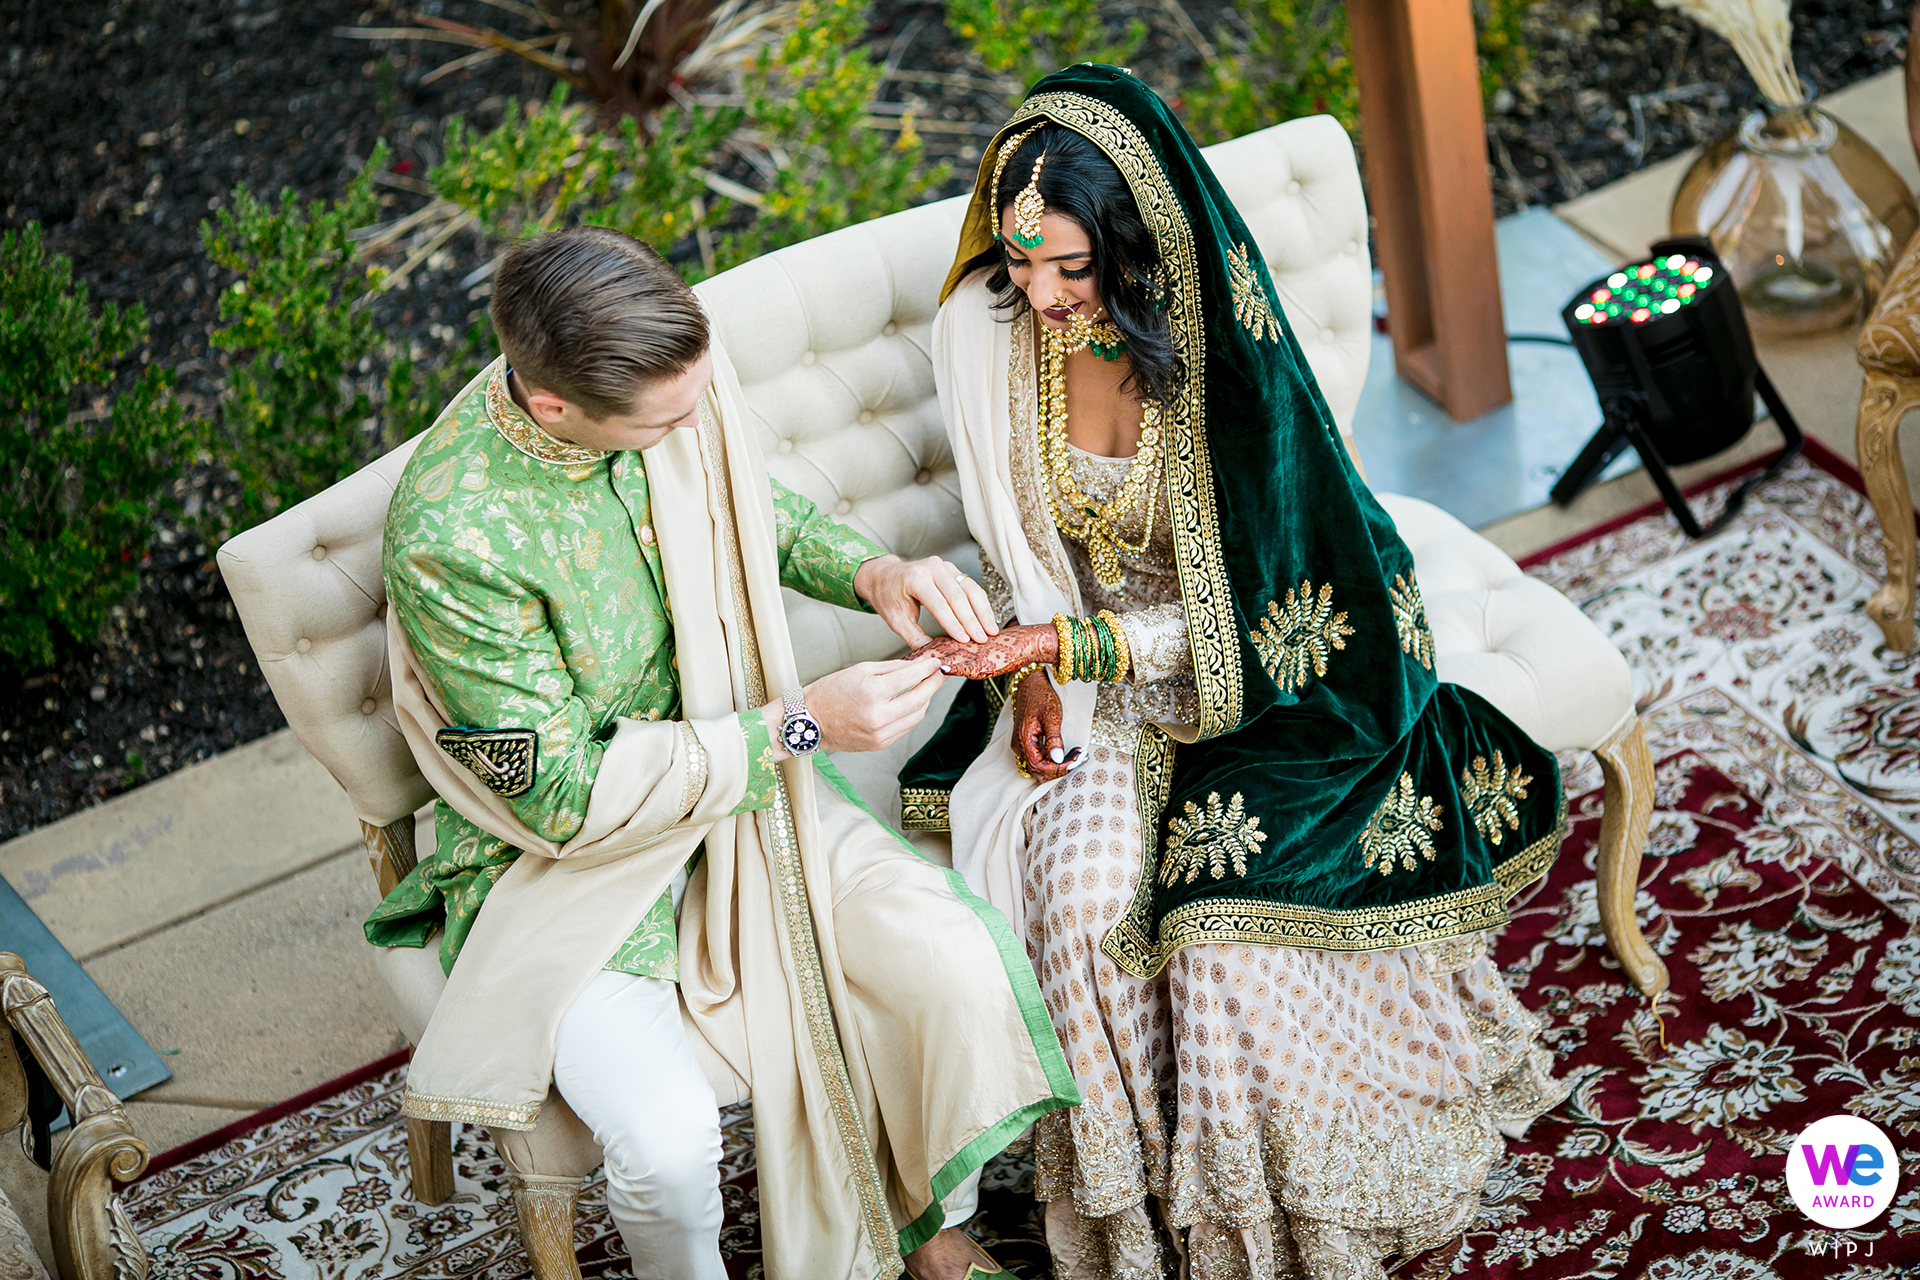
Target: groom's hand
[898, 589]
[871, 705]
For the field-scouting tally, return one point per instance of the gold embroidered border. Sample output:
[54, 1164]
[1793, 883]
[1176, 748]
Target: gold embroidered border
[924, 809]
[1285, 924]
[429, 1106]
[526, 435]
[1213, 629]
[790, 888]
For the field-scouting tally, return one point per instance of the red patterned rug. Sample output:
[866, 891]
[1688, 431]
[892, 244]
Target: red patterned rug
[1781, 884]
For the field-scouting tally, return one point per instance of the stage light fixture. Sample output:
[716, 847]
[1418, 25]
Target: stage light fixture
[1666, 344]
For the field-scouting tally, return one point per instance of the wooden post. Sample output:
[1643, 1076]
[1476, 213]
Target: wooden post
[1426, 151]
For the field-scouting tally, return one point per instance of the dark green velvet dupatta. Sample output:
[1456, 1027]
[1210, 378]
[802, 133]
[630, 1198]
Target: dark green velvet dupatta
[1338, 795]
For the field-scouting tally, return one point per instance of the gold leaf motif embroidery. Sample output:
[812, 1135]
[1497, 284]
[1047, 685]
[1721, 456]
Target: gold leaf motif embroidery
[503, 759]
[1489, 793]
[1210, 839]
[1398, 830]
[1300, 636]
[1410, 620]
[1250, 305]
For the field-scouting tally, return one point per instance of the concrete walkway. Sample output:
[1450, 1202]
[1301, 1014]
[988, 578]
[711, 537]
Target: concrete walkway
[220, 907]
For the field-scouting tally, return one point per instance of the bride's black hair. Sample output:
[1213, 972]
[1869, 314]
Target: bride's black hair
[1080, 183]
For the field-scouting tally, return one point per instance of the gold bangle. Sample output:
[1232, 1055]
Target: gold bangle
[1013, 685]
[1125, 655]
[1065, 661]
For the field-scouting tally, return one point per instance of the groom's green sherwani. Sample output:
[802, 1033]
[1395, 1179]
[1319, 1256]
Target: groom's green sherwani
[526, 575]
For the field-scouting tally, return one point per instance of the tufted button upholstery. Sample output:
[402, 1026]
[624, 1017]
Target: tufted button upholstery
[308, 587]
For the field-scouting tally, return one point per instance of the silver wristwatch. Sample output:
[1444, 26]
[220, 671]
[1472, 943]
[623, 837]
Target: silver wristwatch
[799, 731]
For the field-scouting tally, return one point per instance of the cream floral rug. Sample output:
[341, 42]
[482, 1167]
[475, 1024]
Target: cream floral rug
[1781, 887]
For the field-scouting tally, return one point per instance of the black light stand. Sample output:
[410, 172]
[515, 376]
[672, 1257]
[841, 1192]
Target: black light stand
[1666, 344]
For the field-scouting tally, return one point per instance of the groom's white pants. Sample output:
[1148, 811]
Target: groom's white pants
[622, 1062]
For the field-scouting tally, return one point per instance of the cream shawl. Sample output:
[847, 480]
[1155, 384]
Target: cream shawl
[760, 979]
[984, 370]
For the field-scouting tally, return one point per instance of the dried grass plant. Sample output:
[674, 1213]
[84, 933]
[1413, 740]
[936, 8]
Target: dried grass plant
[1761, 32]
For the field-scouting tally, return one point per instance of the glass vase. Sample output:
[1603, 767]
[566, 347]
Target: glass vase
[1806, 215]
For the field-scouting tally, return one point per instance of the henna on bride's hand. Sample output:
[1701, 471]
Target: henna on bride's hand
[1008, 651]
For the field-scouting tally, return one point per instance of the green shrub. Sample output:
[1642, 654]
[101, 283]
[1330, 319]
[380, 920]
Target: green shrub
[1292, 60]
[546, 166]
[808, 96]
[293, 419]
[1027, 39]
[1502, 41]
[77, 491]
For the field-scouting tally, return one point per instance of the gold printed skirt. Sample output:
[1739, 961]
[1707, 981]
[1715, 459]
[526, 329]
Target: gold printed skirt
[1271, 1112]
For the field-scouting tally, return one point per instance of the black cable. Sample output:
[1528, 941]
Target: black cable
[1539, 337]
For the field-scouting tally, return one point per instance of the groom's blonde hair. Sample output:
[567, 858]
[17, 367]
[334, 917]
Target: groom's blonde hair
[592, 315]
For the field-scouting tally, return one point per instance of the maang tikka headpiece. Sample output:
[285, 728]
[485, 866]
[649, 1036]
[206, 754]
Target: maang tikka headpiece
[1028, 207]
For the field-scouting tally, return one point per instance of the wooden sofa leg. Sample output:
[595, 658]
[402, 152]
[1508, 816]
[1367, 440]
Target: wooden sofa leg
[430, 1156]
[1627, 766]
[1884, 400]
[546, 1207]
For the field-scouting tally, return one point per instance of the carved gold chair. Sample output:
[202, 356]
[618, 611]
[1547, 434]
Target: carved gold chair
[93, 1239]
[1888, 350]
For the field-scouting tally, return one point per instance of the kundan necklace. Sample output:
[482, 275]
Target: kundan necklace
[1099, 528]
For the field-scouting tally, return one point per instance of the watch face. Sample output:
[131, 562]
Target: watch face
[800, 735]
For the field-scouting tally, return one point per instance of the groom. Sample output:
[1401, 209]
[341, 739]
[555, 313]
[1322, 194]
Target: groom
[641, 889]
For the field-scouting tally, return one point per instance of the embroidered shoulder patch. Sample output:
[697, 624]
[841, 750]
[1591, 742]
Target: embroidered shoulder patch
[503, 759]
[1250, 305]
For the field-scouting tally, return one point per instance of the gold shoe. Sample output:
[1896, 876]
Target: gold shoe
[974, 1270]
[977, 1272]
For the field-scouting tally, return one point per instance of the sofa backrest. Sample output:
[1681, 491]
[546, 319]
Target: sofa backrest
[831, 338]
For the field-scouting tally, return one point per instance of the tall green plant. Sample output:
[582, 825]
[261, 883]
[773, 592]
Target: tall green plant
[292, 419]
[1293, 59]
[1027, 39]
[546, 166]
[808, 97]
[77, 491]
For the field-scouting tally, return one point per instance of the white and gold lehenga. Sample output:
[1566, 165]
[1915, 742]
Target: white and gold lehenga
[1286, 1112]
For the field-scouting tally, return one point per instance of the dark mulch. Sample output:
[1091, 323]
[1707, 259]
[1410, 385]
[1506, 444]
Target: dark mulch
[124, 123]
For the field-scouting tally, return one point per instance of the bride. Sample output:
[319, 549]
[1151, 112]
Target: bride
[1254, 844]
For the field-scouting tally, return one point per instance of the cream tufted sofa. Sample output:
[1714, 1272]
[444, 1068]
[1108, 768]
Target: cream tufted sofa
[831, 341]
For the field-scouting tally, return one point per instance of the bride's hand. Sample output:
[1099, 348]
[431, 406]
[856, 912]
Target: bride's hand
[1012, 649]
[1036, 730]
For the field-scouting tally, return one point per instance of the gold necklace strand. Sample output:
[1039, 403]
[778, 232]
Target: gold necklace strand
[1100, 530]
